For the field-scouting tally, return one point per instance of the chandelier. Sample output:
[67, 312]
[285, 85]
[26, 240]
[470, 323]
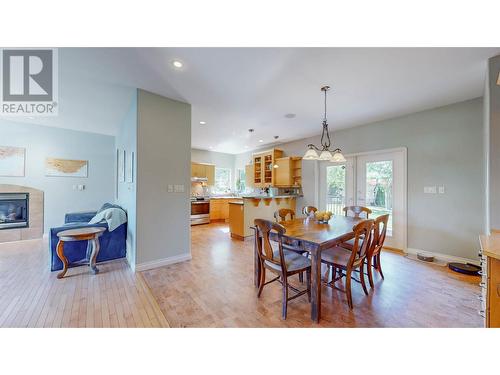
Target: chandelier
[325, 153]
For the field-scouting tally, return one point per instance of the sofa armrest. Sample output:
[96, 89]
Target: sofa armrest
[79, 217]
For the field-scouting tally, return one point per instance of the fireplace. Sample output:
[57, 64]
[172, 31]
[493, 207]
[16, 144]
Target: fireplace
[14, 210]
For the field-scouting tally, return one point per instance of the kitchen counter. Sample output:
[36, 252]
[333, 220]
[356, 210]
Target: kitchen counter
[243, 213]
[490, 244]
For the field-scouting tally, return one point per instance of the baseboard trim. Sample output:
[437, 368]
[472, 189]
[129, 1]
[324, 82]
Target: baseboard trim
[442, 257]
[162, 262]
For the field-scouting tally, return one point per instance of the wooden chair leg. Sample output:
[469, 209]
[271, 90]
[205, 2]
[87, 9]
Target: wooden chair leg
[308, 281]
[301, 277]
[362, 278]
[370, 274]
[262, 280]
[285, 297]
[379, 266]
[348, 288]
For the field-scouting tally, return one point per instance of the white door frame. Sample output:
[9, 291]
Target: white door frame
[321, 180]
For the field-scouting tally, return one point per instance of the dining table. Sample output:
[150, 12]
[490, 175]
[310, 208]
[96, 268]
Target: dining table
[308, 234]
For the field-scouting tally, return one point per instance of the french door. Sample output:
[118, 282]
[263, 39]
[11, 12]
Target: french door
[376, 180]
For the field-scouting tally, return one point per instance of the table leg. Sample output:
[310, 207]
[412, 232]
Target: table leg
[60, 254]
[256, 262]
[316, 285]
[95, 250]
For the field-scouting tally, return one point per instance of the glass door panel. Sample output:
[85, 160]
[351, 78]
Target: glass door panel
[335, 188]
[378, 189]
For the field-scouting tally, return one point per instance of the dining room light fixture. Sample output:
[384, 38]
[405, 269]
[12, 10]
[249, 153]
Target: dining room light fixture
[324, 150]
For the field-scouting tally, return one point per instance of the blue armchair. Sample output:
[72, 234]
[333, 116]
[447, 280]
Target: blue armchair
[113, 244]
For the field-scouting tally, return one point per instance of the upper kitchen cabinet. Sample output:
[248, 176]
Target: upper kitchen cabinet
[263, 167]
[288, 171]
[249, 176]
[204, 171]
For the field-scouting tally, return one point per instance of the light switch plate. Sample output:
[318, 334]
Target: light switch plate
[170, 188]
[441, 189]
[179, 188]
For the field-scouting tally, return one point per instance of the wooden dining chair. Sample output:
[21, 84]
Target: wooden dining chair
[344, 261]
[309, 210]
[280, 216]
[282, 213]
[357, 211]
[281, 262]
[378, 239]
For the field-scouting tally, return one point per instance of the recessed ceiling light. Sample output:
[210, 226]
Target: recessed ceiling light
[246, 146]
[211, 147]
[202, 122]
[290, 115]
[261, 140]
[177, 64]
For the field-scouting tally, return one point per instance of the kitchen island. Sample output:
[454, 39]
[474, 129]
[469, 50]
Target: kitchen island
[243, 213]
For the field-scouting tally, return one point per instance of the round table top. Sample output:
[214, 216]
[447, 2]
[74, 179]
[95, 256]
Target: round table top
[81, 232]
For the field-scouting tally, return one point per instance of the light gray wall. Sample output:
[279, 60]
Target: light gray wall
[42, 142]
[221, 160]
[163, 158]
[445, 147]
[126, 139]
[493, 108]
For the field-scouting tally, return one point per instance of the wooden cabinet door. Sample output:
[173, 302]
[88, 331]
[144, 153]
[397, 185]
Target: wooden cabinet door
[197, 170]
[249, 175]
[215, 209]
[225, 209]
[283, 175]
[494, 292]
[258, 170]
[210, 174]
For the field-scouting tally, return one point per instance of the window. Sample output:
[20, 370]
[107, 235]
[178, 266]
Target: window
[240, 180]
[222, 180]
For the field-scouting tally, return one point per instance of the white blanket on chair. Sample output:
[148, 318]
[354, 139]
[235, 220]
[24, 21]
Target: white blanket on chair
[113, 216]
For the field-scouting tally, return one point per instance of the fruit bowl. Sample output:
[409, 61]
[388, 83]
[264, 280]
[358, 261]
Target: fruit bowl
[322, 217]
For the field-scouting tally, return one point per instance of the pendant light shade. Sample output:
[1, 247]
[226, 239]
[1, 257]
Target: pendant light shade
[325, 153]
[338, 157]
[311, 154]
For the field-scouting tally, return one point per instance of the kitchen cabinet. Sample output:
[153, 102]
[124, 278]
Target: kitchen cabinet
[288, 171]
[490, 282]
[204, 171]
[219, 208]
[249, 176]
[264, 171]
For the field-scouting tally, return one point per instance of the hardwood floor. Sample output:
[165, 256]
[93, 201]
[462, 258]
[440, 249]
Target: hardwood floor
[32, 296]
[215, 289]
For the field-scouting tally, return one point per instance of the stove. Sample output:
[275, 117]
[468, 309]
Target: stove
[200, 210]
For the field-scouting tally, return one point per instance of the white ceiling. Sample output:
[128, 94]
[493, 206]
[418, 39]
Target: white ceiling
[234, 89]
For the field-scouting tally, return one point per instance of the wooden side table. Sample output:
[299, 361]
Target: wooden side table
[90, 234]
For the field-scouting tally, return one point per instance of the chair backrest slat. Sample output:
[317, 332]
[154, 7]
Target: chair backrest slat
[362, 241]
[357, 211]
